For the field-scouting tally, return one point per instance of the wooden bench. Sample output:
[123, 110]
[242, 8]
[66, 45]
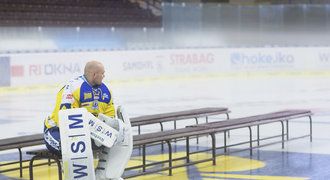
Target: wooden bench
[179, 115]
[211, 129]
[19, 143]
[37, 139]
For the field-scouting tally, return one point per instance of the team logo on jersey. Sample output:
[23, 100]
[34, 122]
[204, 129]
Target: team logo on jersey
[96, 93]
[87, 95]
[105, 96]
[95, 104]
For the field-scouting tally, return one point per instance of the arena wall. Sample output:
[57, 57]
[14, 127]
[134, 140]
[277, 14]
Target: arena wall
[57, 67]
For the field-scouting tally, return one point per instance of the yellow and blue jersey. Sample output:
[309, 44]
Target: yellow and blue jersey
[79, 93]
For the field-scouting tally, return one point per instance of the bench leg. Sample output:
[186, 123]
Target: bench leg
[162, 129]
[174, 128]
[20, 163]
[310, 128]
[139, 129]
[228, 119]
[282, 134]
[197, 139]
[258, 135]
[213, 148]
[139, 132]
[59, 168]
[225, 141]
[250, 130]
[144, 158]
[187, 150]
[287, 130]
[169, 157]
[31, 166]
[174, 124]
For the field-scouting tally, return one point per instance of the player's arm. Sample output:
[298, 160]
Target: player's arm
[64, 100]
[109, 109]
[107, 106]
[70, 97]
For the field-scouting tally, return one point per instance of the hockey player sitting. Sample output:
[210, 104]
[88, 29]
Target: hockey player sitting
[88, 91]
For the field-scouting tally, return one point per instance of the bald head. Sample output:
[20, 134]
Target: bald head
[94, 72]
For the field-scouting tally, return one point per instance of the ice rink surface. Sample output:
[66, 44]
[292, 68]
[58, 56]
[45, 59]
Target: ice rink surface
[23, 110]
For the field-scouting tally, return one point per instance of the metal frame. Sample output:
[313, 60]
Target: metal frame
[20, 164]
[188, 162]
[214, 147]
[175, 126]
[48, 156]
[34, 142]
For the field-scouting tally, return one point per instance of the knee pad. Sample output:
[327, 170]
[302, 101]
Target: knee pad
[117, 124]
[112, 161]
[109, 121]
[52, 140]
[101, 132]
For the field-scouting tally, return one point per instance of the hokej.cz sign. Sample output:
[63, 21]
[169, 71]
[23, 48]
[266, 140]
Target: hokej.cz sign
[76, 146]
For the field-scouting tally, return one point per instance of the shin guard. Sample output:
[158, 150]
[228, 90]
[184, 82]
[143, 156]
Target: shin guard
[112, 161]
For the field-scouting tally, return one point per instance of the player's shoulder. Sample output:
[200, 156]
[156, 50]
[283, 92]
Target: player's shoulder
[105, 88]
[76, 82]
[106, 95]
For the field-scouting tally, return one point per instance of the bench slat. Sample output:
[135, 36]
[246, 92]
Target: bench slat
[21, 139]
[149, 119]
[21, 145]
